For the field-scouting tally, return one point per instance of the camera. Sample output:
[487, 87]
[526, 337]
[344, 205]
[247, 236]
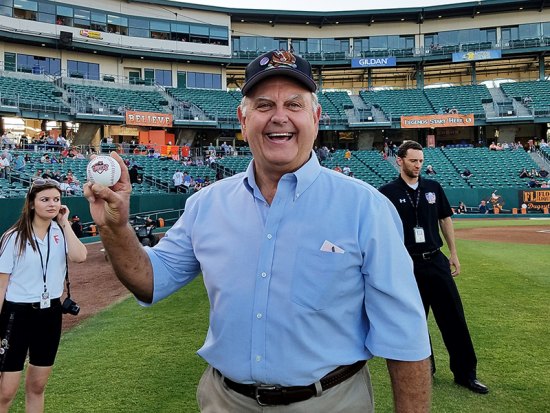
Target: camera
[70, 307]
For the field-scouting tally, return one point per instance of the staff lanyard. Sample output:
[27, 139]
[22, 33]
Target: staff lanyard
[415, 205]
[44, 268]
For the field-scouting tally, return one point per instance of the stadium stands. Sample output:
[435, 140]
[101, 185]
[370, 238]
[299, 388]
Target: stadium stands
[465, 99]
[216, 104]
[30, 94]
[396, 103]
[118, 99]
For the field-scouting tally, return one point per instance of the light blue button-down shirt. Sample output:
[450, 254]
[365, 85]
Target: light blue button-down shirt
[318, 279]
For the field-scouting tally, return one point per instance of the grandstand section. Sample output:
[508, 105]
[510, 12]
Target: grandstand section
[466, 74]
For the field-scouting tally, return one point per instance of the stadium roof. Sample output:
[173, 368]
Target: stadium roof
[417, 14]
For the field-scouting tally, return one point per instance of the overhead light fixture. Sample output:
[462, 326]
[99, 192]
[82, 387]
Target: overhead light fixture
[307, 22]
[402, 20]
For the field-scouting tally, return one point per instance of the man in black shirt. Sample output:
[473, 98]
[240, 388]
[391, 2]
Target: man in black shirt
[424, 209]
[77, 226]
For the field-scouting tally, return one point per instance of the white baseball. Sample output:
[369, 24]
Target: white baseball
[103, 170]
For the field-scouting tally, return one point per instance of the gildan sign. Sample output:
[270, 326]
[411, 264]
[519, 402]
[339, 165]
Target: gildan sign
[537, 199]
[162, 120]
[437, 121]
[389, 61]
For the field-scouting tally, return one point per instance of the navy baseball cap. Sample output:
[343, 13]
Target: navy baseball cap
[278, 63]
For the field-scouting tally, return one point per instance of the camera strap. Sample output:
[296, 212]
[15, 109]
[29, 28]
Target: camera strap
[67, 282]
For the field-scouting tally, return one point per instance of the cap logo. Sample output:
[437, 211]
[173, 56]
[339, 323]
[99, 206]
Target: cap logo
[282, 58]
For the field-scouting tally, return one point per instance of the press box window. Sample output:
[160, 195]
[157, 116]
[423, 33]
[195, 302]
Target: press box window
[25, 9]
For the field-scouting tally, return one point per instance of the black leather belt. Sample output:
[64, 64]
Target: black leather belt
[425, 255]
[266, 394]
[55, 302]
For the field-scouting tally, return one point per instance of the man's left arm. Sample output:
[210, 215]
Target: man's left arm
[448, 231]
[411, 384]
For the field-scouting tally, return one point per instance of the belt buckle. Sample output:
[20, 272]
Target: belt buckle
[427, 255]
[35, 306]
[263, 387]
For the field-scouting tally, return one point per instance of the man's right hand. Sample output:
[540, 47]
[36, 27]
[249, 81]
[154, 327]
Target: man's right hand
[110, 207]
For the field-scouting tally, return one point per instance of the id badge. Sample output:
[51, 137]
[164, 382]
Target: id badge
[45, 300]
[419, 235]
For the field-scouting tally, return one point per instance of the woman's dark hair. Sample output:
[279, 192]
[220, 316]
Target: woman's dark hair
[23, 226]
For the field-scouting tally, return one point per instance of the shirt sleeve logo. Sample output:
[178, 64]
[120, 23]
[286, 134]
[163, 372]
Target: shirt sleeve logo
[430, 197]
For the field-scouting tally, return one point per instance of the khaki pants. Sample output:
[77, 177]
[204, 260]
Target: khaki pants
[351, 396]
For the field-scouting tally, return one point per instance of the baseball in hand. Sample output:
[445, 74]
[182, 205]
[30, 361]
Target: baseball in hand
[103, 170]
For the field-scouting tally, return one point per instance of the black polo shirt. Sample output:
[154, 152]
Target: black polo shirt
[433, 205]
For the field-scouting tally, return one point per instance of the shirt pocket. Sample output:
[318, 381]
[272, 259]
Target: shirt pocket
[316, 276]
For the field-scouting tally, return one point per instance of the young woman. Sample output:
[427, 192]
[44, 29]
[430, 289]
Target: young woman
[33, 254]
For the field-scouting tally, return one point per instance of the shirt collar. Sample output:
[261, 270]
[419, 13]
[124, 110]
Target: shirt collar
[402, 182]
[304, 176]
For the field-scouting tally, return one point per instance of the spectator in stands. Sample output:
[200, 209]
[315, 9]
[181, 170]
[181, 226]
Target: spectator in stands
[532, 183]
[466, 173]
[523, 173]
[28, 158]
[19, 163]
[4, 165]
[57, 176]
[346, 170]
[543, 173]
[177, 178]
[493, 146]
[65, 187]
[461, 208]
[430, 170]
[534, 173]
[337, 168]
[347, 155]
[527, 100]
[482, 207]
[134, 175]
[75, 187]
[545, 184]
[47, 174]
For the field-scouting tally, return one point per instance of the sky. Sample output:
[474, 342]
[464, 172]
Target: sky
[322, 5]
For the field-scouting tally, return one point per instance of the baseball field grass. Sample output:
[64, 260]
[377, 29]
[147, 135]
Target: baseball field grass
[131, 359]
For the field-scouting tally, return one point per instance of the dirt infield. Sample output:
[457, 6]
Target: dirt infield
[94, 285]
[539, 234]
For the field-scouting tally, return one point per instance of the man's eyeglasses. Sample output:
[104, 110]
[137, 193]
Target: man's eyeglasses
[44, 182]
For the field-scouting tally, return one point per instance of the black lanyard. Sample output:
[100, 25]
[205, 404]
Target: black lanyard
[415, 205]
[44, 268]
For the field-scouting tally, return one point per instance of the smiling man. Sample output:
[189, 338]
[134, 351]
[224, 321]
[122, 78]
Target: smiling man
[294, 260]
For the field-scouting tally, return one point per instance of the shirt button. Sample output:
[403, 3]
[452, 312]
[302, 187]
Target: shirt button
[259, 315]
[258, 358]
[264, 274]
[269, 236]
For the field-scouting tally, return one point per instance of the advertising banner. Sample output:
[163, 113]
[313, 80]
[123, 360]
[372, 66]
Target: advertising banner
[162, 120]
[477, 55]
[447, 120]
[388, 61]
[535, 199]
